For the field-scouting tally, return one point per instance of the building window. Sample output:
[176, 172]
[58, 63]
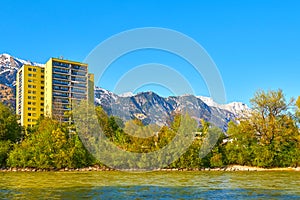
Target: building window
[29, 69]
[30, 75]
[42, 98]
[29, 102]
[34, 69]
[42, 87]
[42, 70]
[31, 86]
[29, 114]
[29, 108]
[42, 93]
[29, 120]
[42, 82]
[42, 76]
[34, 75]
[42, 109]
[42, 104]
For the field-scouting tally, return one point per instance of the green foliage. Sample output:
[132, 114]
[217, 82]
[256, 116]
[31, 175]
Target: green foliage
[9, 127]
[269, 137]
[49, 147]
[5, 147]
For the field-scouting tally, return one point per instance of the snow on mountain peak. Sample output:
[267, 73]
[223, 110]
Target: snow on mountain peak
[10, 60]
[126, 94]
[209, 101]
[9, 66]
[234, 107]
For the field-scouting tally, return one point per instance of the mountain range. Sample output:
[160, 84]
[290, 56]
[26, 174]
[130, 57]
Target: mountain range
[149, 107]
[146, 106]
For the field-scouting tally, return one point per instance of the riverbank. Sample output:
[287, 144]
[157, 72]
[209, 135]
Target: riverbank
[231, 168]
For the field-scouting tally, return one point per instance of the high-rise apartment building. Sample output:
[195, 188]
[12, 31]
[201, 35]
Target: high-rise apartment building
[50, 90]
[30, 94]
[65, 81]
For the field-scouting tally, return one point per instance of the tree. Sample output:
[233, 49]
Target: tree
[50, 146]
[270, 113]
[5, 147]
[9, 127]
[239, 146]
[268, 137]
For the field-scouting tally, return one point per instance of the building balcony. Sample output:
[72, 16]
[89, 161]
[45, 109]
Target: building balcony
[61, 101]
[57, 82]
[63, 65]
[61, 71]
[59, 88]
[65, 101]
[78, 85]
[58, 76]
[74, 90]
[64, 108]
[77, 79]
[57, 94]
[78, 74]
[79, 67]
[79, 96]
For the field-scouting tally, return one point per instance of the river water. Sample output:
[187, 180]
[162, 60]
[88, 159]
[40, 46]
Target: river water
[150, 185]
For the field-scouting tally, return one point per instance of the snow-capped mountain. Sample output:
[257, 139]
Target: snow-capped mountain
[238, 108]
[152, 108]
[9, 66]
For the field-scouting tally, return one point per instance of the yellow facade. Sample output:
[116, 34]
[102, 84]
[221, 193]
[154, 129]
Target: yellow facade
[30, 94]
[65, 81]
[50, 90]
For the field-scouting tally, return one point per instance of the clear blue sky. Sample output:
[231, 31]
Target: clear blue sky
[255, 44]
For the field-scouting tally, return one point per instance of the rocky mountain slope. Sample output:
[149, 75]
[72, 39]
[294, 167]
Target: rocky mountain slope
[9, 66]
[7, 95]
[152, 108]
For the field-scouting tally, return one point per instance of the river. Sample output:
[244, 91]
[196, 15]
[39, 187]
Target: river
[150, 185]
